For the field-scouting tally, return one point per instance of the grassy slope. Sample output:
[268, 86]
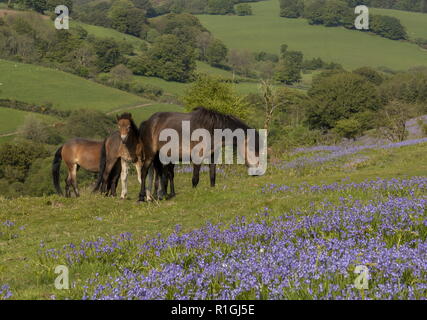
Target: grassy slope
[414, 22]
[58, 221]
[35, 84]
[11, 119]
[144, 113]
[102, 32]
[266, 31]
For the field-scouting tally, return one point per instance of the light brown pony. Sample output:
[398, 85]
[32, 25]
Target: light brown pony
[78, 153]
[122, 146]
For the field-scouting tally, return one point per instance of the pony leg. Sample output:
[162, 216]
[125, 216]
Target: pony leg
[212, 173]
[151, 176]
[144, 172]
[171, 176]
[196, 175]
[124, 178]
[74, 180]
[108, 167]
[67, 186]
[138, 166]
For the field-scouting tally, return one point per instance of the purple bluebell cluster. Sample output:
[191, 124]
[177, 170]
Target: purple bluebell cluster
[329, 153]
[9, 230]
[305, 254]
[5, 292]
[189, 169]
[88, 250]
[394, 185]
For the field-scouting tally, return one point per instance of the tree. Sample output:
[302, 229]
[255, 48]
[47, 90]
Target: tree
[216, 52]
[243, 9]
[291, 8]
[220, 6]
[126, 18]
[337, 13]
[290, 66]
[214, 94]
[121, 74]
[369, 74]
[339, 96]
[52, 4]
[203, 41]
[89, 124]
[348, 128]
[16, 159]
[240, 61]
[387, 27]
[410, 87]
[172, 59]
[34, 129]
[108, 53]
[271, 103]
[38, 5]
[392, 119]
[313, 11]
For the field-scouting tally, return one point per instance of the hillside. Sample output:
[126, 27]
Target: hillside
[39, 85]
[266, 31]
[11, 119]
[415, 23]
[371, 174]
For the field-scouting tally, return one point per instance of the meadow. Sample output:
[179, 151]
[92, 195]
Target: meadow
[415, 23]
[297, 232]
[266, 31]
[40, 85]
[11, 119]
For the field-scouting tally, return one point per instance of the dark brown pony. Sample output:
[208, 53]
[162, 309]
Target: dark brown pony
[199, 118]
[122, 146]
[78, 153]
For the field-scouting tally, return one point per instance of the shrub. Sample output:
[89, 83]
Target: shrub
[387, 27]
[243, 9]
[339, 96]
[348, 128]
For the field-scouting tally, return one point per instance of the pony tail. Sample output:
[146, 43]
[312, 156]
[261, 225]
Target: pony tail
[102, 164]
[56, 164]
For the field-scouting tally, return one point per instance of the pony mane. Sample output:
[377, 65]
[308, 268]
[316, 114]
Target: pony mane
[211, 119]
[128, 116]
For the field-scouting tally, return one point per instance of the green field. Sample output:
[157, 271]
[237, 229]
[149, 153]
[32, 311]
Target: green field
[56, 221]
[143, 113]
[102, 32]
[266, 31]
[11, 119]
[39, 85]
[415, 23]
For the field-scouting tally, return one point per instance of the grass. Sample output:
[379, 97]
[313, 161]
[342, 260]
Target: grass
[58, 221]
[39, 85]
[414, 22]
[11, 119]
[102, 32]
[266, 31]
[143, 113]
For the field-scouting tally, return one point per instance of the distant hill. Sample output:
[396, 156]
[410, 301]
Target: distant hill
[39, 85]
[266, 31]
